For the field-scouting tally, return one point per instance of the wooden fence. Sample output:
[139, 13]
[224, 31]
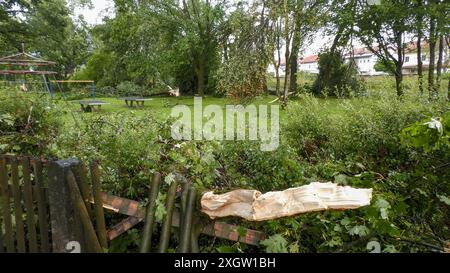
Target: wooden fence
[57, 206]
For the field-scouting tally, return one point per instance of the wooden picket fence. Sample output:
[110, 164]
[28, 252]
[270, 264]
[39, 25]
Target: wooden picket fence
[58, 206]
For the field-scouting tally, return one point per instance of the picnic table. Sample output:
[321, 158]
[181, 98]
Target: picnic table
[90, 105]
[138, 100]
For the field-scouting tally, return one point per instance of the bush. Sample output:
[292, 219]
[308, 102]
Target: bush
[336, 78]
[129, 89]
[245, 165]
[126, 150]
[359, 144]
[28, 122]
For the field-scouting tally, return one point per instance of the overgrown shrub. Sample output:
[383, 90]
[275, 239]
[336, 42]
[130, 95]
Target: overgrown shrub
[129, 89]
[358, 143]
[28, 122]
[241, 77]
[245, 165]
[337, 78]
[124, 144]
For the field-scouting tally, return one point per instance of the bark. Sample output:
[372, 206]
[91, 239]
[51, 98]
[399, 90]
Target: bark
[419, 62]
[431, 87]
[287, 53]
[439, 63]
[399, 65]
[398, 84]
[278, 61]
[201, 70]
[419, 49]
[448, 91]
[277, 75]
[293, 60]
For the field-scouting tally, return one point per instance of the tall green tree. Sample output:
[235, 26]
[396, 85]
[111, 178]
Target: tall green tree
[382, 28]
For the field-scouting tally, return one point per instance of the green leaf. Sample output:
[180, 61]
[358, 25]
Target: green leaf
[169, 178]
[359, 230]
[275, 244]
[444, 199]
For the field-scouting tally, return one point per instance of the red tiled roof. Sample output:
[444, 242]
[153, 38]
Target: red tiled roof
[309, 59]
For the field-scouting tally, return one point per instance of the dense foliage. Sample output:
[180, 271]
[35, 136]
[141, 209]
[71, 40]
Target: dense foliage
[393, 146]
[28, 124]
[336, 78]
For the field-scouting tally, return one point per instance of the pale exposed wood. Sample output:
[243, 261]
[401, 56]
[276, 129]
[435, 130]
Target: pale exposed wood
[255, 206]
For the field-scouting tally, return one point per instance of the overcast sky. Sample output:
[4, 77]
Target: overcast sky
[101, 8]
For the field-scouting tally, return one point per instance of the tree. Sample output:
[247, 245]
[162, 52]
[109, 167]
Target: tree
[58, 37]
[382, 30]
[307, 19]
[419, 11]
[14, 30]
[243, 75]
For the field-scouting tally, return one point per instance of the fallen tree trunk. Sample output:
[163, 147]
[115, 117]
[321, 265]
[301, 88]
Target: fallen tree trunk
[252, 205]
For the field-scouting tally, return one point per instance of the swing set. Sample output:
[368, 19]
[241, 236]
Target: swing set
[27, 66]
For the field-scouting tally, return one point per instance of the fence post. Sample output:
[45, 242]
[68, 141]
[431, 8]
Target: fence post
[62, 215]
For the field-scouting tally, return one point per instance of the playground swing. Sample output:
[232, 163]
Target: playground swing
[26, 65]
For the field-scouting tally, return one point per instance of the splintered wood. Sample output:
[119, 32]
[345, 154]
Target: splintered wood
[255, 206]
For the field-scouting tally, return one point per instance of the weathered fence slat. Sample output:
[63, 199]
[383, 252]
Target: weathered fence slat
[98, 205]
[150, 215]
[78, 204]
[20, 231]
[5, 206]
[81, 175]
[62, 214]
[183, 204]
[122, 227]
[28, 198]
[187, 222]
[219, 229]
[1, 237]
[167, 225]
[41, 200]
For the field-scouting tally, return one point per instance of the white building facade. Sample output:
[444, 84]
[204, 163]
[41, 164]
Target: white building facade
[366, 60]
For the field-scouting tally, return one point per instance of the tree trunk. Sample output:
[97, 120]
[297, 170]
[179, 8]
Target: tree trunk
[419, 46]
[287, 53]
[293, 60]
[419, 61]
[201, 77]
[277, 87]
[278, 61]
[439, 63]
[431, 87]
[399, 65]
[398, 82]
[448, 90]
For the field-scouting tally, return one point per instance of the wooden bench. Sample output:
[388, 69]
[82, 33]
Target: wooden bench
[90, 105]
[129, 101]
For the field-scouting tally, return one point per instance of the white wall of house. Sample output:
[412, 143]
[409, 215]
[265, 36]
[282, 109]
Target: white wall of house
[366, 64]
[310, 67]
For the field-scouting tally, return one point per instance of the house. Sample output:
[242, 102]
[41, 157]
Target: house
[309, 64]
[410, 64]
[366, 60]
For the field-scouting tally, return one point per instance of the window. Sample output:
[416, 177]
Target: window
[407, 59]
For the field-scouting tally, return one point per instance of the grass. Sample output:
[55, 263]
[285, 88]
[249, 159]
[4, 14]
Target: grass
[160, 107]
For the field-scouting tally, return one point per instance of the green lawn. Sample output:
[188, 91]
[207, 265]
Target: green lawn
[159, 107]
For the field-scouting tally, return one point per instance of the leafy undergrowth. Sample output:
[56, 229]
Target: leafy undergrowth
[393, 146]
